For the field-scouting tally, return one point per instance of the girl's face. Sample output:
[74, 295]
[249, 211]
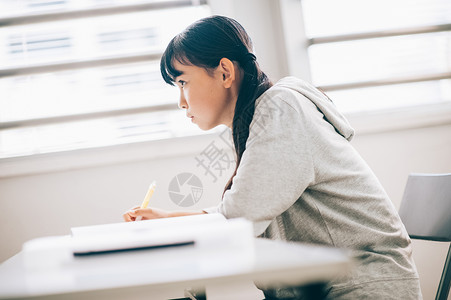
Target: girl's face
[209, 99]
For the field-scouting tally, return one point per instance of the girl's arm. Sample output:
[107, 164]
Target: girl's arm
[155, 213]
[276, 167]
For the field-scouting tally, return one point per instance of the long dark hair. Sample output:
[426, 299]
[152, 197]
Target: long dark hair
[204, 44]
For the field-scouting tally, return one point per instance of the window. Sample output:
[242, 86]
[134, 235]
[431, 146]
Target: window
[79, 74]
[376, 55]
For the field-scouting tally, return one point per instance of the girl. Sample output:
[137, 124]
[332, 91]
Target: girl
[297, 177]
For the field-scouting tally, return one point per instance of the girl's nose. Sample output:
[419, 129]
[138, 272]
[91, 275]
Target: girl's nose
[182, 102]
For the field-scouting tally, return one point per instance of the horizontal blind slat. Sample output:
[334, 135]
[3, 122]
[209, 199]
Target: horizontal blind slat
[94, 12]
[86, 116]
[92, 63]
[379, 34]
[388, 81]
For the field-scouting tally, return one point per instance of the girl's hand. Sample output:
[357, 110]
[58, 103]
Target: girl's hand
[145, 213]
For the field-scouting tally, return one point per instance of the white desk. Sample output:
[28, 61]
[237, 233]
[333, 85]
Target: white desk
[165, 273]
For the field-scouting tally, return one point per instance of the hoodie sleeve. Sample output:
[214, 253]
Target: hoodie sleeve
[276, 166]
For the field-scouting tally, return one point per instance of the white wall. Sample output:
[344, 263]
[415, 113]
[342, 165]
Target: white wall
[96, 186]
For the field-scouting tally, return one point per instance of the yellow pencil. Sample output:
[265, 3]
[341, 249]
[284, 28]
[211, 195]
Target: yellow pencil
[146, 200]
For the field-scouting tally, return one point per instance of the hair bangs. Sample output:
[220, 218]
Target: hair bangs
[173, 53]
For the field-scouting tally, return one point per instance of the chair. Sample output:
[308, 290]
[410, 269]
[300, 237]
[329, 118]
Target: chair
[426, 212]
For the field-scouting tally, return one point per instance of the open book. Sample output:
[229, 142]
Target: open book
[202, 231]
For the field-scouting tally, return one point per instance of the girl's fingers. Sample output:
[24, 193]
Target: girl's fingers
[141, 212]
[126, 217]
[133, 210]
[129, 215]
[145, 213]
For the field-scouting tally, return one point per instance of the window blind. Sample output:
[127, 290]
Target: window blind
[377, 55]
[80, 74]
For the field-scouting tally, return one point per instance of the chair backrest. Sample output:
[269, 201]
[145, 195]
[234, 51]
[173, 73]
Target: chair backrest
[426, 206]
[426, 212]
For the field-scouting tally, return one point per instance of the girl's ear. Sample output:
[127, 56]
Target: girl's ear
[226, 70]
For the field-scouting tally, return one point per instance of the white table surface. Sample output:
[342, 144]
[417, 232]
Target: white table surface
[165, 273]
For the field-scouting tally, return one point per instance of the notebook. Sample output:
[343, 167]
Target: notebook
[148, 234]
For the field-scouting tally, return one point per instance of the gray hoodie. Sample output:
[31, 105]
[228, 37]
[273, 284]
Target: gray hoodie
[301, 180]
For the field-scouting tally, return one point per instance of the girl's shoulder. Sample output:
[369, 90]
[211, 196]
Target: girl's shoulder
[286, 94]
[291, 93]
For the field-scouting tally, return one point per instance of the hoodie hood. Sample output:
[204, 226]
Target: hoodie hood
[322, 103]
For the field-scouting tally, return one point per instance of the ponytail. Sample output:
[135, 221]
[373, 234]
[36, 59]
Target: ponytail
[254, 83]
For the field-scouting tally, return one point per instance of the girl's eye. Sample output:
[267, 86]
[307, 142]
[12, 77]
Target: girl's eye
[182, 83]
